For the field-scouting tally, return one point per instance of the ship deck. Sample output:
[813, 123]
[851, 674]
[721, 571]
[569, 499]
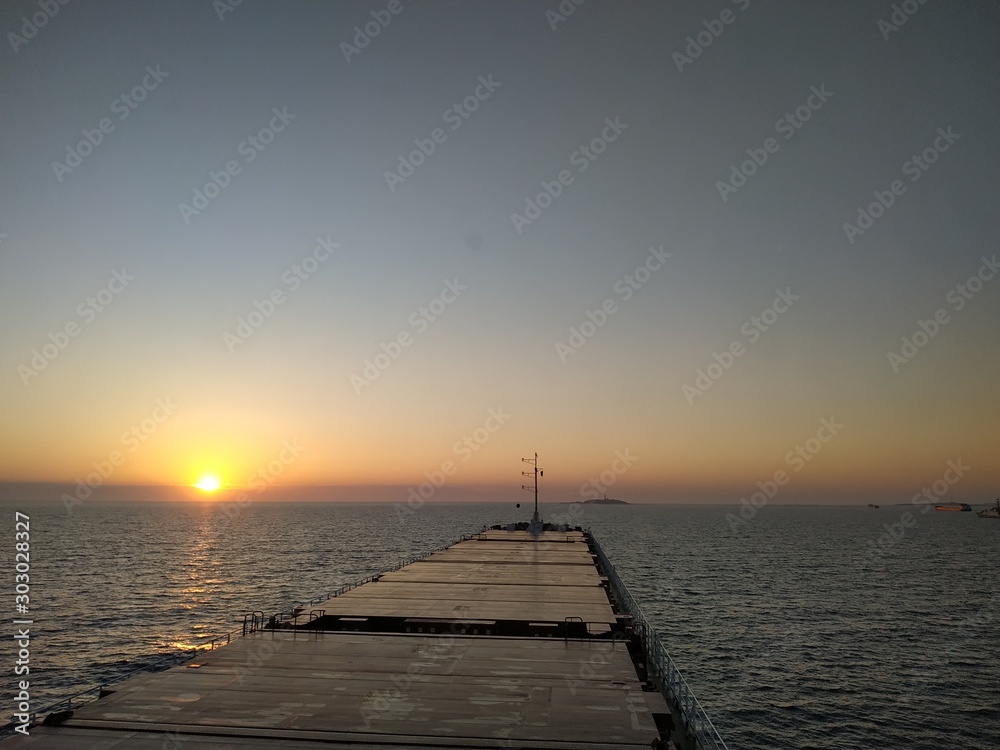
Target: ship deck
[503, 640]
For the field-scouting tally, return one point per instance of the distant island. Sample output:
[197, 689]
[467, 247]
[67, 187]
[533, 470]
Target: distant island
[599, 501]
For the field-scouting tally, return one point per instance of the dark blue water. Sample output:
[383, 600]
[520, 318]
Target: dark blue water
[791, 632]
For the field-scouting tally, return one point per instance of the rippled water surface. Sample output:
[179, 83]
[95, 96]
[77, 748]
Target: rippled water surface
[791, 632]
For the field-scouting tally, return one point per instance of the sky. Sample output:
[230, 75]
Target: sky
[684, 251]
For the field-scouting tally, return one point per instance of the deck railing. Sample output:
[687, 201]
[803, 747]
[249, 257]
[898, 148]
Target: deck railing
[661, 667]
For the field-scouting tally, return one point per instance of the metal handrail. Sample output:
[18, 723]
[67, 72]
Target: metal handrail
[256, 623]
[218, 640]
[661, 666]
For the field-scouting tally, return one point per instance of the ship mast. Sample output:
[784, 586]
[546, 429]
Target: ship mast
[536, 473]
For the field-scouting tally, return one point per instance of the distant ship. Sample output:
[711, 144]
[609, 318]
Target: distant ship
[993, 512]
[954, 506]
[872, 505]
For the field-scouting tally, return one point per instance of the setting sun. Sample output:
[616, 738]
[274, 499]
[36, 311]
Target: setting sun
[208, 483]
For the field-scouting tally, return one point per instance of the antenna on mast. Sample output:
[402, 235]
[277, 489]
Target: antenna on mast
[536, 473]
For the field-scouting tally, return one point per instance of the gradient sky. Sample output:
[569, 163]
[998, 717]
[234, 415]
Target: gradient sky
[163, 336]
